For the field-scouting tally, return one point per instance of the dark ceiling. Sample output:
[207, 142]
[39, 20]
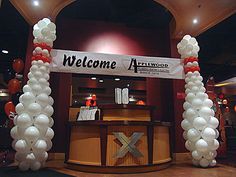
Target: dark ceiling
[13, 35]
[217, 56]
[133, 13]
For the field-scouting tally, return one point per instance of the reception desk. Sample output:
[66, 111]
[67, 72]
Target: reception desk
[119, 146]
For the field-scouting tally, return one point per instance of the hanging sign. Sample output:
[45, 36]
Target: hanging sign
[110, 64]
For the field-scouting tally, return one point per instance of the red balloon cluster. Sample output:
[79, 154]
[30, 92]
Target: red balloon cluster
[18, 65]
[14, 86]
[191, 68]
[40, 56]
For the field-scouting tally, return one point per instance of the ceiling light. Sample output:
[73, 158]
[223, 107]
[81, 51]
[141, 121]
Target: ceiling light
[36, 3]
[128, 85]
[5, 51]
[117, 79]
[100, 80]
[93, 78]
[195, 21]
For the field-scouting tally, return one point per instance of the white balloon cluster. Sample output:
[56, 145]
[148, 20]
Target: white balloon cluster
[199, 123]
[32, 132]
[44, 32]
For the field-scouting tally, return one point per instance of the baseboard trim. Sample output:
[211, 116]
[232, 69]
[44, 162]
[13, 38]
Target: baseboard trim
[56, 156]
[181, 157]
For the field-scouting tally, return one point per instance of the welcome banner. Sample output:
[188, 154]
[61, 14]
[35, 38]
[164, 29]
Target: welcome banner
[110, 64]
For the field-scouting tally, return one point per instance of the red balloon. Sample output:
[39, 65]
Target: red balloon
[9, 107]
[18, 65]
[13, 86]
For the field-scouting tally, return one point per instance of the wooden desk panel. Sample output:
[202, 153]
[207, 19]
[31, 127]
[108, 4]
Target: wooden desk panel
[85, 145]
[114, 145]
[161, 145]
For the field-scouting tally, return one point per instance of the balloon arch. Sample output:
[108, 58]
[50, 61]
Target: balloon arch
[32, 132]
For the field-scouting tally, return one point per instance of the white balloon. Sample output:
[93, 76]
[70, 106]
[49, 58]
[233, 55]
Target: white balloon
[196, 155]
[19, 108]
[201, 145]
[205, 112]
[186, 125]
[52, 26]
[187, 37]
[201, 96]
[189, 74]
[190, 97]
[192, 41]
[189, 145]
[49, 145]
[40, 146]
[36, 88]
[197, 103]
[34, 109]
[213, 163]
[193, 134]
[50, 100]
[191, 114]
[30, 157]
[26, 88]
[42, 99]
[199, 78]
[35, 165]
[217, 134]
[209, 155]
[47, 90]
[190, 84]
[208, 134]
[186, 105]
[204, 163]
[51, 122]
[49, 134]
[41, 156]
[24, 120]
[208, 103]
[14, 132]
[195, 162]
[48, 110]
[213, 145]
[41, 121]
[46, 20]
[185, 135]
[38, 74]
[31, 134]
[187, 91]
[41, 24]
[21, 146]
[199, 123]
[27, 98]
[20, 156]
[198, 83]
[45, 31]
[213, 122]
[194, 89]
[24, 166]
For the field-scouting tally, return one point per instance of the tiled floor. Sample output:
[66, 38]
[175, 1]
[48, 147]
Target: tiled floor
[176, 170]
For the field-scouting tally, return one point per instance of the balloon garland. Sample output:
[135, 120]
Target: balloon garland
[199, 123]
[32, 132]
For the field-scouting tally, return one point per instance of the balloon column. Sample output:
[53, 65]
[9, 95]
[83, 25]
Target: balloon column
[32, 132]
[199, 123]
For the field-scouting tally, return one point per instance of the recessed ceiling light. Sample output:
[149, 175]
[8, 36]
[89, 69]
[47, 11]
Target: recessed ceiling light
[93, 78]
[5, 51]
[117, 79]
[195, 21]
[100, 80]
[36, 3]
